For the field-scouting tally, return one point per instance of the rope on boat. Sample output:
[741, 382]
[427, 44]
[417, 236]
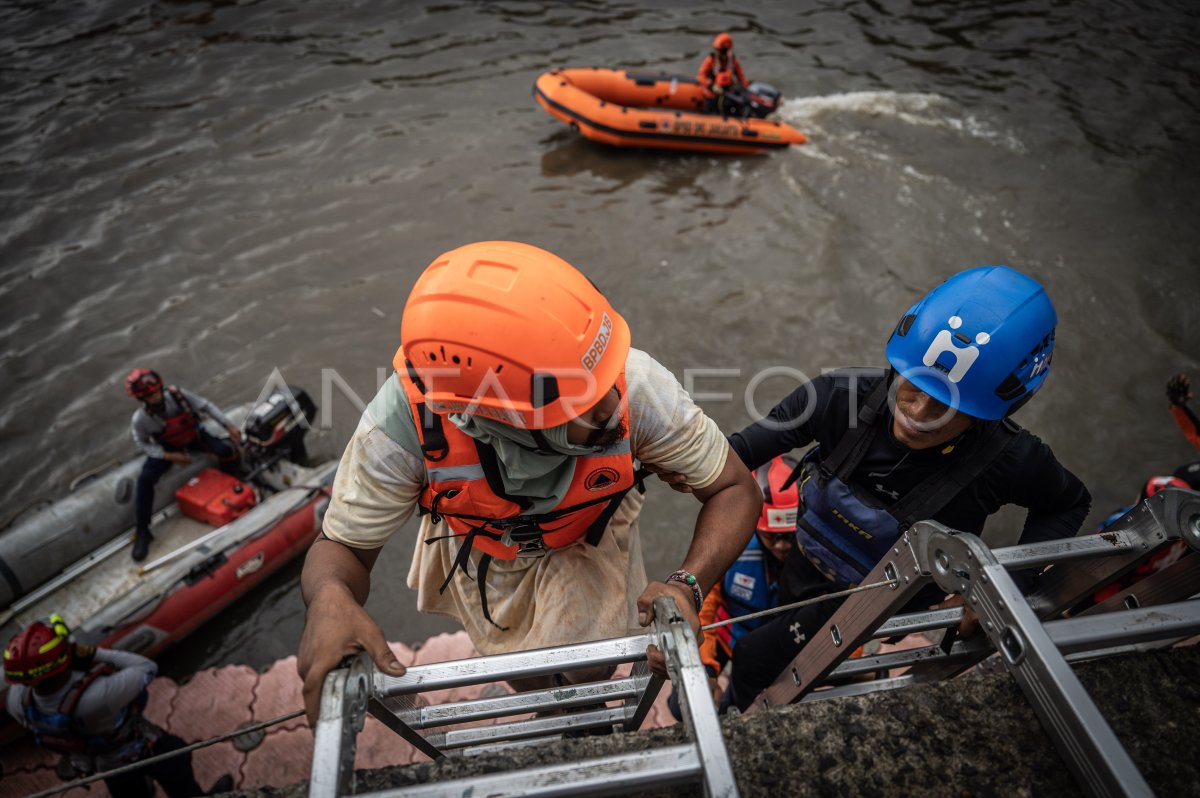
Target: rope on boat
[141, 763]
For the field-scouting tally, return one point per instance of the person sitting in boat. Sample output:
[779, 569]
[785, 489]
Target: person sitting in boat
[752, 583]
[515, 425]
[86, 703]
[720, 61]
[731, 101]
[165, 427]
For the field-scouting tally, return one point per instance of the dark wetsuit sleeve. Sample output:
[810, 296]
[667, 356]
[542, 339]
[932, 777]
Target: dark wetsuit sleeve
[1057, 500]
[790, 425]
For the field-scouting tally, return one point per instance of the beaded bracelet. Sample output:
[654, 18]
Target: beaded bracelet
[688, 579]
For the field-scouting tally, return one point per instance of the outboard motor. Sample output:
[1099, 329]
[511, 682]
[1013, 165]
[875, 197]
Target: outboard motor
[763, 99]
[277, 424]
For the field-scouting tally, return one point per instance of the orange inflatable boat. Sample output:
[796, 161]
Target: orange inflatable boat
[631, 109]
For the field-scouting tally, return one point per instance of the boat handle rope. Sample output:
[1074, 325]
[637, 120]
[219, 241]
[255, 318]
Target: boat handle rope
[141, 763]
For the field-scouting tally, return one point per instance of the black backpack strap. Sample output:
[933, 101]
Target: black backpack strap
[490, 463]
[854, 444]
[928, 498]
[433, 438]
[481, 577]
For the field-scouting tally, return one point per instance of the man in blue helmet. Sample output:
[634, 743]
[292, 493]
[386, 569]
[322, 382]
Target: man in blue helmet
[930, 438]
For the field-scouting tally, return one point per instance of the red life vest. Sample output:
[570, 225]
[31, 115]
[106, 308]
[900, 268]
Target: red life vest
[181, 428]
[466, 490]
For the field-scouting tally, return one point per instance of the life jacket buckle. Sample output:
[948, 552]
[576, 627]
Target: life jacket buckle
[527, 537]
[533, 550]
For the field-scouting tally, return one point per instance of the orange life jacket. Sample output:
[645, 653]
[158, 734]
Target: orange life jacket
[466, 490]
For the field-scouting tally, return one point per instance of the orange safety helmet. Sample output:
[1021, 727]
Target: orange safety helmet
[38, 652]
[510, 332]
[779, 506]
[723, 41]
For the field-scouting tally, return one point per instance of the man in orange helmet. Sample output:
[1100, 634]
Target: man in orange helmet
[86, 704]
[516, 425]
[720, 72]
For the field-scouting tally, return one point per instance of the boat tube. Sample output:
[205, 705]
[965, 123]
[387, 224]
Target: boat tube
[633, 109]
[216, 536]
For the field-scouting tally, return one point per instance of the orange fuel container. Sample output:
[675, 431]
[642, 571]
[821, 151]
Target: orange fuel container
[215, 497]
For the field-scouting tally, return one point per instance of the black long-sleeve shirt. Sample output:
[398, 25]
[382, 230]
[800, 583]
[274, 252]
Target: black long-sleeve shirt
[1026, 474]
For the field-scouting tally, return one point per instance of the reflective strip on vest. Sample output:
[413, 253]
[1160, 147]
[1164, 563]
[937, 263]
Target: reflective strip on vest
[456, 473]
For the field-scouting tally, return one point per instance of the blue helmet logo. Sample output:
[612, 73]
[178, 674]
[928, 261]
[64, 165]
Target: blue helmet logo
[981, 342]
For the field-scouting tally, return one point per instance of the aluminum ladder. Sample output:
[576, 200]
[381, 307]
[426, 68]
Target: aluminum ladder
[1027, 633]
[350, 693]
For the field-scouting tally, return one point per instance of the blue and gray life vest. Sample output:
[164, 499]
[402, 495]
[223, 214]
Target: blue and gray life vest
[59, 731]
[843, 529]
[748, 588]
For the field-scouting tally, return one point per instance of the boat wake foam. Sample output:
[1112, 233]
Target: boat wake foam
[912, 108]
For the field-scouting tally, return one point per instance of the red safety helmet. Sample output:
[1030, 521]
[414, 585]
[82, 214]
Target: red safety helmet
[141, 383]
[38, 652]
[1155, 484]
[779, 505]
[723, 41]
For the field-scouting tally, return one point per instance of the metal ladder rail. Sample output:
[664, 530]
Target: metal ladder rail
[1178, 581]
[1170, 515]
[1081, 566]
[863, 616]
[350, 693]
[963, 564]
[1079, 639]
[1081, 734]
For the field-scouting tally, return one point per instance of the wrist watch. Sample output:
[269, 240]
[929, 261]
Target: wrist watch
[688, 579]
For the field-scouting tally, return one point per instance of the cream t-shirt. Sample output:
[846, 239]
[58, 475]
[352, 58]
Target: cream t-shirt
[576, 593]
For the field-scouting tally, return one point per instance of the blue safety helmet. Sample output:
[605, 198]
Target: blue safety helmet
[980, 342]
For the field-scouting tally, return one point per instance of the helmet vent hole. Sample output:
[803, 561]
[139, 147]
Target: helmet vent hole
[906, 324]
[544, 388]
[456, 359]
[1010, 389]
[433, 356]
